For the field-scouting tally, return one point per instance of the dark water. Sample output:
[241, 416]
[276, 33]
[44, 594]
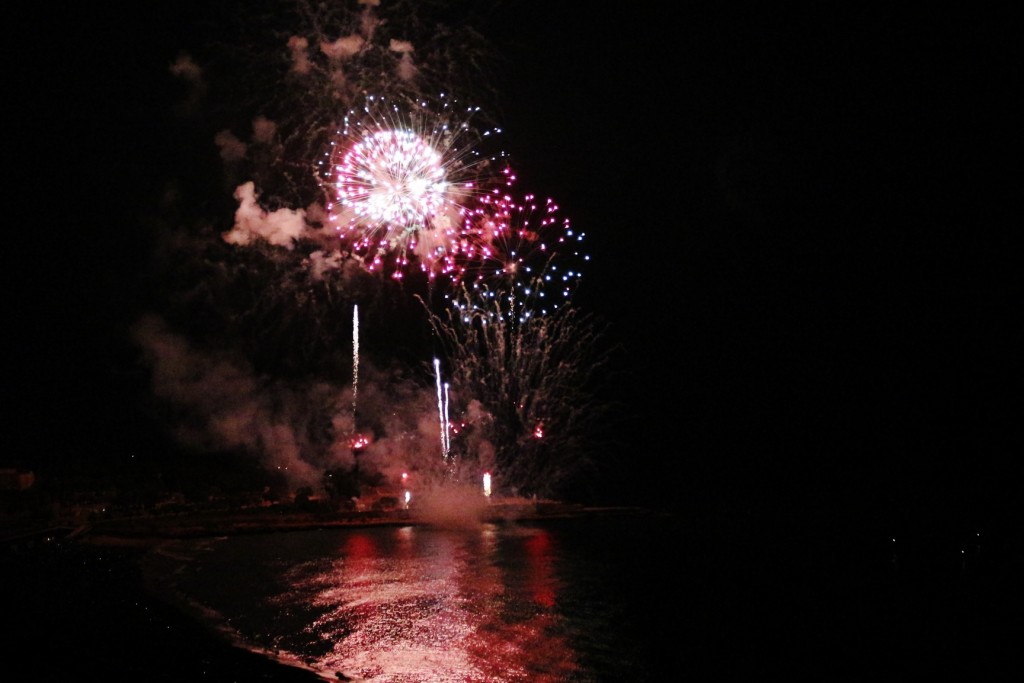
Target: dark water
[562, 600]
[604, 598]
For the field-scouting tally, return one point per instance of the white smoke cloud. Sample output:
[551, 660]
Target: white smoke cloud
[280, 228]
[299, 49]
[185, 69]
[228, 407]
[316, 214]
[263, 130]
[343, 47]
[225, 405]
[400, 46]
[231, 148]
[368, 20]
[320, 262]
[406, 70]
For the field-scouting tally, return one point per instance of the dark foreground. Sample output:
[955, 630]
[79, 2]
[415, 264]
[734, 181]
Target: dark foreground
[835, 609]
[76, 605]
[80, 610]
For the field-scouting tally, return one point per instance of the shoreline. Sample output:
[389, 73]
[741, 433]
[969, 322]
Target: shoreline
[82, 608]
[259, 520]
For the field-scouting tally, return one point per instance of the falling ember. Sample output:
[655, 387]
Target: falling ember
[487, 483]
[408, 497]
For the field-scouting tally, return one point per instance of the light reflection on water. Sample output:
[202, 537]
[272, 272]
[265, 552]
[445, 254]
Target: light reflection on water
[497, 603]
[417, 601]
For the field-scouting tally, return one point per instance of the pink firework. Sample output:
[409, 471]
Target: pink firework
[400, 183]
[521, 247]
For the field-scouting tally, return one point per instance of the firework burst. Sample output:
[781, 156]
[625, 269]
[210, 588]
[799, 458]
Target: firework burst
[402, 181]
[522, 250]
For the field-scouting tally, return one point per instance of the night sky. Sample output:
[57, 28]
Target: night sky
[799, 224]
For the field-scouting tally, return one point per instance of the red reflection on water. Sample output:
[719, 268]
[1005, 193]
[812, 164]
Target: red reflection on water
[423, 604]
[541, 578]
[360, 549]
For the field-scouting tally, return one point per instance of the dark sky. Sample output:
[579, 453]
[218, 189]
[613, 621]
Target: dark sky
[799, 224]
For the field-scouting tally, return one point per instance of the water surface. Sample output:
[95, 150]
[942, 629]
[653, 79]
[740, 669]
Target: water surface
[556, 600]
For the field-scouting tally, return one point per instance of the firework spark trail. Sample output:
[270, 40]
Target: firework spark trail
[355, 361]
[440, 409]
[447, 424]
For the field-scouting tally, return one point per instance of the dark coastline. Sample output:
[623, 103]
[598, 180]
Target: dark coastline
[81, 609]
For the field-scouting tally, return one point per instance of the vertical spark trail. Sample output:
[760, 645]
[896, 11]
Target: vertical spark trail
[447, 424]
[440, 409]
[355, 361]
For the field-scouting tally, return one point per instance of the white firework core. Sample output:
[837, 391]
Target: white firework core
[393, 177]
